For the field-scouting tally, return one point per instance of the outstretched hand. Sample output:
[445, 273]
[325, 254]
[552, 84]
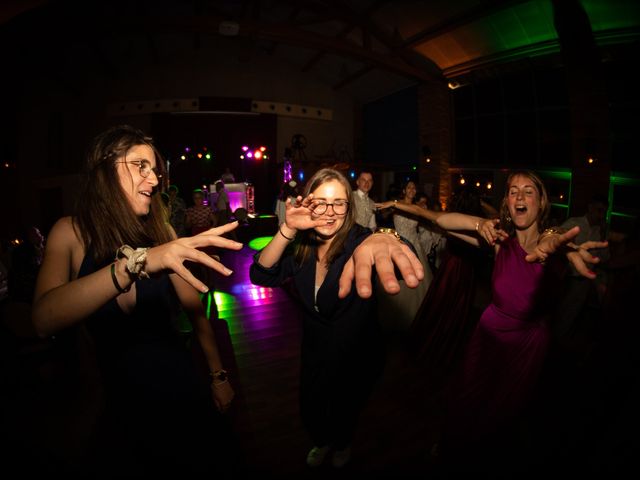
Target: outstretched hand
[172, 255]
[578, 255]
[383, 251]
[490, 231]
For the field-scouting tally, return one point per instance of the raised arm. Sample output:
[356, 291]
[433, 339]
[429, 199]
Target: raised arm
[483, 227]
[411, 208]
[61, 300]
[297, 217]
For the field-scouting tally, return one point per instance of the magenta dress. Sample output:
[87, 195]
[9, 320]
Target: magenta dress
[505, 354]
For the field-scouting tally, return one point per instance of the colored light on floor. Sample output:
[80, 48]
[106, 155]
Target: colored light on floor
[259, 243]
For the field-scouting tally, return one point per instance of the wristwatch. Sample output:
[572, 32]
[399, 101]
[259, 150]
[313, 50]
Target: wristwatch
[219, 376]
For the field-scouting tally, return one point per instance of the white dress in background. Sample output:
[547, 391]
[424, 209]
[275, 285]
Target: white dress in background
[398, 311]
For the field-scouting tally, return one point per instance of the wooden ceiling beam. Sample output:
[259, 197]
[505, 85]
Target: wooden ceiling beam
[278, 33]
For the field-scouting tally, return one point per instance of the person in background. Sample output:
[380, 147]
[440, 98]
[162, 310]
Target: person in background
[227, 176]
[431, 237]
[25, 264]
[199, 217]
[178, 210]
[223, 208]
[26, 259]
[288, 190]
[320, 248]
[117, 267]
[364, 207]
[582, 300]
[400, 310]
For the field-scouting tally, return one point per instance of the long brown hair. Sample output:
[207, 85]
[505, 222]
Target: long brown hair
[309, 238]
[104, 217]
[505, 219]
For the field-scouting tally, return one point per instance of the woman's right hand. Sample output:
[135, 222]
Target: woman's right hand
[298, 213]
[172, 255]
[383, 205]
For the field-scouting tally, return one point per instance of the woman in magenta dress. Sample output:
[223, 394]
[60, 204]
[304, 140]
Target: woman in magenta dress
[505, 354]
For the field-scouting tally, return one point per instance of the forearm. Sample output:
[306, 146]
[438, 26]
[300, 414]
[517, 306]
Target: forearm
[207, 339]
[459, 221]
[271, 254]
[418, 211]
[73, 302]
[192, 305]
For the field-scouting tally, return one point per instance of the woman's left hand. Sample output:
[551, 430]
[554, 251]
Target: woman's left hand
[384, 251]
[579, 256]
[222, 395]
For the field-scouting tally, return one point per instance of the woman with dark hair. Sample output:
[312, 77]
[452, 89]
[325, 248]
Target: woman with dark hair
[342, 353]
[503, 359]
[117, 268]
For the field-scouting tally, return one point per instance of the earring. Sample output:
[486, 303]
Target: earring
[508, 219]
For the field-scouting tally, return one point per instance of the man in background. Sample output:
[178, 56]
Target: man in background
[364, 207]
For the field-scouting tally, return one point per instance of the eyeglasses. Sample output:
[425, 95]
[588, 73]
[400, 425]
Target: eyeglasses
[340, 207]
[145, 168]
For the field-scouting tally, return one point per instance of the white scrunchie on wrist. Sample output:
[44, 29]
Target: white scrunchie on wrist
[136, 260]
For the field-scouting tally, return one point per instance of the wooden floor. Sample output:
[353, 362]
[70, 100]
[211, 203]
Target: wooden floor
[259, 332]
[396, 429]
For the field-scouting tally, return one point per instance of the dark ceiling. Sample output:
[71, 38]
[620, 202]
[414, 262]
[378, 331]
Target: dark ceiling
[367, 48]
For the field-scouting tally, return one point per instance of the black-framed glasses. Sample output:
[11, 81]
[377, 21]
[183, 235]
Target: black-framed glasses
[145, 168]
[339, 207]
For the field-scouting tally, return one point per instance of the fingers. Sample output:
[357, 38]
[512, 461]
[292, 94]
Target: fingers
[344, 284]
[569, 234]
[362, 275]
[490, 233]
[409, 265]
[386, 253]
[213, 238]
[581, 267]
[386, 274]
[593, 244]
[175, 258]
[188, 277]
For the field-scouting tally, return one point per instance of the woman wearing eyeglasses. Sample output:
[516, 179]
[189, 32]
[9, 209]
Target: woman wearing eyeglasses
[117, 268]
[342, 353]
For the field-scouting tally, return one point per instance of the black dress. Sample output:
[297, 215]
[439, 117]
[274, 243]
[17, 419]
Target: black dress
[342, 352]
[159, 416]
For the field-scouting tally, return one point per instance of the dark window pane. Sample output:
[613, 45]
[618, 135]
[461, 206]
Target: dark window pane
[464, 142]
[518, 92]
[463, 101]
[521, 139]
[551, 88]
[555, 138]
[488, 97]
[491, 140]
